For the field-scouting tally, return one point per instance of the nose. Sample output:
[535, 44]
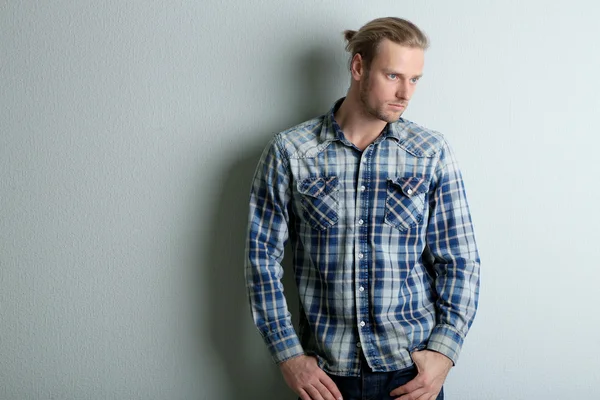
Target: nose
[403, 90]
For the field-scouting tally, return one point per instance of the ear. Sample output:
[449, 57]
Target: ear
[357, 67]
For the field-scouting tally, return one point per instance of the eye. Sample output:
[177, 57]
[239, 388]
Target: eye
[414, 80]
[392, 76]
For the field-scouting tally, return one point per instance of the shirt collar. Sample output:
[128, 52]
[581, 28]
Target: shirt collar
[331, 130]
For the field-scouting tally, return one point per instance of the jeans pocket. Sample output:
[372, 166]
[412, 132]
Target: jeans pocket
[405, 202]
[319, 201]
[399, 378]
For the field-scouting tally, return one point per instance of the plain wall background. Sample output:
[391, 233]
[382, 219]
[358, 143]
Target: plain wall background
[129, 132]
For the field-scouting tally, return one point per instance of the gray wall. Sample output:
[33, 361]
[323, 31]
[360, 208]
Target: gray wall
[129, 132]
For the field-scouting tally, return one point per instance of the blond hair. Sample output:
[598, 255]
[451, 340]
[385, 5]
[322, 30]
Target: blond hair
[366, 40]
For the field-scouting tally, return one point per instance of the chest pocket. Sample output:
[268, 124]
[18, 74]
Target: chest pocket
[405, 203]
[319, 201]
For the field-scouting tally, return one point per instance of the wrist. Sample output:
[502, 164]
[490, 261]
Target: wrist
[437, 357]
[442, 359]
[290, 362]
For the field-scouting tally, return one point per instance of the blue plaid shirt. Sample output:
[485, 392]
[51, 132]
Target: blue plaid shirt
[384, 253]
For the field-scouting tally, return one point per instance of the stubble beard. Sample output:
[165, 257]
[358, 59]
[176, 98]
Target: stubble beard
[378, 113]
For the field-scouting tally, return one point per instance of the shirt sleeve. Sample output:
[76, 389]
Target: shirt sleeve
[452, 248]
[266, 237]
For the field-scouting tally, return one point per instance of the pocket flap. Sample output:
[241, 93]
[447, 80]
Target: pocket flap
[318, 186]
[411, 185]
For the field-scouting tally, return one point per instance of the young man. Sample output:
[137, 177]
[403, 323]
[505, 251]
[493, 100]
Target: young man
[383, 247]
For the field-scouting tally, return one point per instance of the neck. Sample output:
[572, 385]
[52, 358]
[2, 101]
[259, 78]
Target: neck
[359, 127]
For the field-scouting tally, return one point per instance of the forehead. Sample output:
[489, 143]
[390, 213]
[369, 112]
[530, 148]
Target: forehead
[394, 56]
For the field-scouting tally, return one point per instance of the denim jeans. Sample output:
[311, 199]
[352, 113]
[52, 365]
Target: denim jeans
[374, 385]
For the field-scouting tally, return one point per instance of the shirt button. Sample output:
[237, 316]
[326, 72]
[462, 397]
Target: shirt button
[363, 188]
[358, 344]
[361, 289]
[361, 256]
[360, 222]
[362, 323]
[409, 191]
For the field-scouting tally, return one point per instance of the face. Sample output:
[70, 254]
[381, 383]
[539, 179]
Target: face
[389, 83]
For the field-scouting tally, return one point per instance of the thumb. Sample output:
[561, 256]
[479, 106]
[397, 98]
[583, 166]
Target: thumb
[417, 357]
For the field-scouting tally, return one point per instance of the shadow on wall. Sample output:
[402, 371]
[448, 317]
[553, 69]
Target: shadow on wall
[229, 314]
[228, 310]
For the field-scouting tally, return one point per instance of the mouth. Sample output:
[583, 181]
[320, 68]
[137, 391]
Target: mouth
[398, 106]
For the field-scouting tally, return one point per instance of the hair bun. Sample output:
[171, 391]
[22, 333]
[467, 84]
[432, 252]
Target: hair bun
[349, 34]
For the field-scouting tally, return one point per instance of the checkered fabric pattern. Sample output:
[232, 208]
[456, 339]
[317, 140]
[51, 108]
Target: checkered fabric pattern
[384, 253]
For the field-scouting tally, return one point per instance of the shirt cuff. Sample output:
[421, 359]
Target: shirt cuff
[283, 345]
[447, 340]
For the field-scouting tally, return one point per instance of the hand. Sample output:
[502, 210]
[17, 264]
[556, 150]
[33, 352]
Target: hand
[303, 375]
[432, 367]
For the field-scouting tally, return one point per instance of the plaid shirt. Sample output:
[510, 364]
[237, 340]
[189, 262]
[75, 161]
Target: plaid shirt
[384, 253]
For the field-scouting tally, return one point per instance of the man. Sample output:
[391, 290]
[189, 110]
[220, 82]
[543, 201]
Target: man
[383, 247]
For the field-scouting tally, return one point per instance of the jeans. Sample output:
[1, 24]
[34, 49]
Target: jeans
[374, 385]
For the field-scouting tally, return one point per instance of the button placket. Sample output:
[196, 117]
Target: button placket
[361, 267]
